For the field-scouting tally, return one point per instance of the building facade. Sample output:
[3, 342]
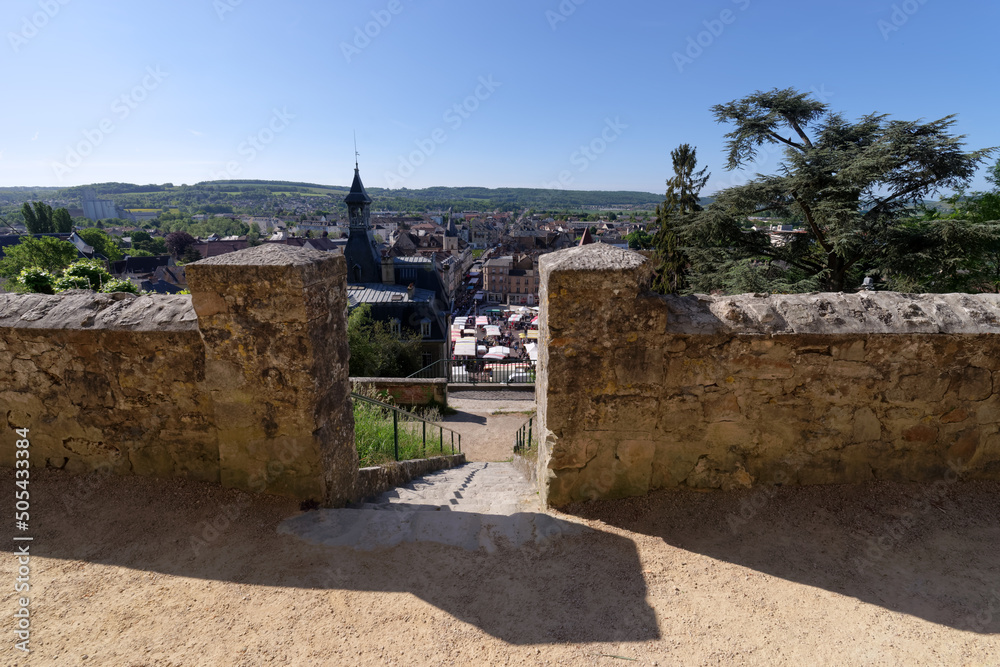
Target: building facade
[511, 279]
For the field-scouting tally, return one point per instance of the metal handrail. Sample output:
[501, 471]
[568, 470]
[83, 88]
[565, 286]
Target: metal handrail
[427, 373]
[523, 439]
[413, 417]
[475, 371]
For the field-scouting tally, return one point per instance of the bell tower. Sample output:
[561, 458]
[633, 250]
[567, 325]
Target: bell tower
[363, 261]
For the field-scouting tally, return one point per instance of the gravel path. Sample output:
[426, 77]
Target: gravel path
[488, 421]
[132, 571]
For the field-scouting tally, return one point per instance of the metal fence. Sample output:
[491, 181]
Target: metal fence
[526, 439]
[480, 371]
[384, 433]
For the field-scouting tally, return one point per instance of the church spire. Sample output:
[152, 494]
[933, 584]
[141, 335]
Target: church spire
[358, 203]
[363, 261]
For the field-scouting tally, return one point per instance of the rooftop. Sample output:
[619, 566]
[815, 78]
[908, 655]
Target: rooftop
[379, 293]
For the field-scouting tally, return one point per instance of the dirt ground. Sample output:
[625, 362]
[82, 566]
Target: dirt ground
[132, 572]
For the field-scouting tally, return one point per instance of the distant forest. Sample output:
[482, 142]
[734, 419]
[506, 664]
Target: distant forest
[254, 196]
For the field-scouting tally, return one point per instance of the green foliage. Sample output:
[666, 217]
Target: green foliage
[639, 240]
[61, 221]
[71, 282]
[91, 271]
[191, 254]
[143, 241]
[39, 219]
[46, 253]
[682, 200]
[374, 432]
[851, 185]
[253, 237]
[135, 252]
[120, 285]
[38, 280]
[101, 242]
[376, 351]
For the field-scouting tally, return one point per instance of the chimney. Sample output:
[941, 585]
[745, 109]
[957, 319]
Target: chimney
[410, 289]
[388, 271]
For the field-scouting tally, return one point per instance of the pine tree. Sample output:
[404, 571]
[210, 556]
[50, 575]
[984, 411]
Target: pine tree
[681, 201]
[849, 186]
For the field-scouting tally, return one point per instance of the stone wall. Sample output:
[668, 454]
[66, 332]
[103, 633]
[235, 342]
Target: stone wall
[274, 322]
[243, 383]
[408, 391]
[108, 381]
[639, 391]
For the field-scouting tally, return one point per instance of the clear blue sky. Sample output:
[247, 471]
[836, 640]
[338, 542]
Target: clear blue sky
[295, 76]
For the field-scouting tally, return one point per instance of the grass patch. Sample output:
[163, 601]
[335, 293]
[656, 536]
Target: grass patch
[375, 435]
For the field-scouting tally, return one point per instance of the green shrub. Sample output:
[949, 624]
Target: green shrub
[91, 270]
[36, 279]
[71, 282]
[120, 285]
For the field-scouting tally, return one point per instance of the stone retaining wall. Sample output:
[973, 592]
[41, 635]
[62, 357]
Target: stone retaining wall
[639, 391]
[411, 392]
[243, 383]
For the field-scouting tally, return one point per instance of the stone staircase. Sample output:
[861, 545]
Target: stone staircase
[483, 488]
[476, 506]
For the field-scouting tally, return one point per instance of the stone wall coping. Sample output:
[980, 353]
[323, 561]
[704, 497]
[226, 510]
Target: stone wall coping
[83, 309]
[592, 257]
[268, 254]
[416, 381]
[833, 314]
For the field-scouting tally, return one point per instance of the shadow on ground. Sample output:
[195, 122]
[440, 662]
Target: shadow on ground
[587, 587]
[931, 551]
[465, 418]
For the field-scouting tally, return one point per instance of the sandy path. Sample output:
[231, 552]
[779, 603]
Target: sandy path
[126, 572]
[487, 436]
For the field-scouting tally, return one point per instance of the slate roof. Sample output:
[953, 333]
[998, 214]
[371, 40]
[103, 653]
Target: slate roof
[380, 293]
[139, 264]
[358, 194]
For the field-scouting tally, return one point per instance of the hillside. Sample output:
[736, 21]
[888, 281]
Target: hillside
[255, 192]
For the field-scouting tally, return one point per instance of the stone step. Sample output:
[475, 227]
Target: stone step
[368, 529]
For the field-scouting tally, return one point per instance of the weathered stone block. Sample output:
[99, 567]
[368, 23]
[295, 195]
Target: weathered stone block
[275, 380]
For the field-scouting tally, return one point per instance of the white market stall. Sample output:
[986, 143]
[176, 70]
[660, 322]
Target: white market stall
[465, 347]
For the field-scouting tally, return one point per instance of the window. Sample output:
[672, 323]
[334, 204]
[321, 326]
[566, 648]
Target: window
[396, 326]
[425, 328]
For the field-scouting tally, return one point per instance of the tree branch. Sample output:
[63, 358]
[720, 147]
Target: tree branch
[906, 191]
[812, 224]
[780, 138]
[799, 131]
[800, 263]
